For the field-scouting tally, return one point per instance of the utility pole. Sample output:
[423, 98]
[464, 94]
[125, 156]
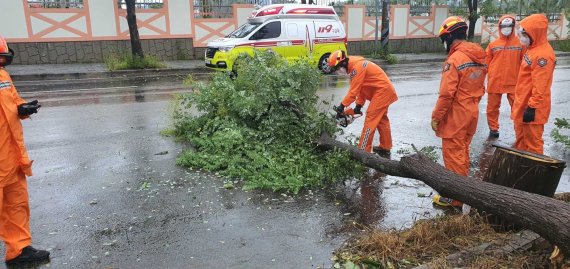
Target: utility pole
[376, 4]
[385, 23]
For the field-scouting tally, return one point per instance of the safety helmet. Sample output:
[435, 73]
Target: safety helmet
[6, 51]
[452, 24]
[507, 22]
[336, 58]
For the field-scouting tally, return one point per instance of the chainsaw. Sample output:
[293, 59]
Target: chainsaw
[347, 117]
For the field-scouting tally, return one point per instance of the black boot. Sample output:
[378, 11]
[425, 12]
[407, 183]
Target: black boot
[30, 254]
[382, 152]
[494, 134]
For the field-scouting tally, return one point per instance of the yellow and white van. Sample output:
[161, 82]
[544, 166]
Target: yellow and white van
[291, 30]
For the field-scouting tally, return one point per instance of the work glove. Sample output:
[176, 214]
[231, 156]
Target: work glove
[528, 115]
[358, 109]
[28, 108]
[434, 125]
[339, 110]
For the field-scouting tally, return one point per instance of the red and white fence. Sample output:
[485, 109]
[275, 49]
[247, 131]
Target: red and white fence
[105, 20]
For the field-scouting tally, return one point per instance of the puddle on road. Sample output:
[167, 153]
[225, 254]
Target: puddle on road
[377, 200]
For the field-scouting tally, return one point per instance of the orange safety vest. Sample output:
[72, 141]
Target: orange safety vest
[11, 135]
[368, 80]
[536, 72]
[461, 88]
[504, 56]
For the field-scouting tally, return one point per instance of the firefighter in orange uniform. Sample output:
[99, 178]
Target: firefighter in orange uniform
[532, 100]
[14, 167]
[504, 56]
[367, 82]
[454, 118]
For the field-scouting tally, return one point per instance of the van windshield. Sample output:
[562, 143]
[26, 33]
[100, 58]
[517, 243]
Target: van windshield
[244, 30]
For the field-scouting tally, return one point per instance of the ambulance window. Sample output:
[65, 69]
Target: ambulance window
[243, 30]
[292, 30]
[270, 30]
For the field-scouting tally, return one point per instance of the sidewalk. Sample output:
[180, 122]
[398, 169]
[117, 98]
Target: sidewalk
[92, 70]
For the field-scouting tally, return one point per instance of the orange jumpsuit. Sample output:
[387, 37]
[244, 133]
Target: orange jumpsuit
[533, 85]
[457, 108]
[504, 56]
[369, 82]
[14, 167]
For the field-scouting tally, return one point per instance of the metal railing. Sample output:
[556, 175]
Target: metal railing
[223, 8]
[417, 7]
[143, 4]
[55, 3]
[492, 13]
[204, 9]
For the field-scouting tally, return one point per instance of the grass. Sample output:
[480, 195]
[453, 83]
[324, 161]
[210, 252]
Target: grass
[430, 241]
[564, 45]
[128, 61]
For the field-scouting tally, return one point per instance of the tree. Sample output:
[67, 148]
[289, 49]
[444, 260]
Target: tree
[136, 48]
[545, 216]
[473, 16]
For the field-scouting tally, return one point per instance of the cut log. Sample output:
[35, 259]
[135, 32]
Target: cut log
[524, 171]
[546, 216]
[535, 173]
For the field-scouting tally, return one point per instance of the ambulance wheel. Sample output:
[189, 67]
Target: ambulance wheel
[324, 64]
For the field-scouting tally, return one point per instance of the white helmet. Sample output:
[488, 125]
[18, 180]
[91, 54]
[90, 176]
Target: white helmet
[507, 22]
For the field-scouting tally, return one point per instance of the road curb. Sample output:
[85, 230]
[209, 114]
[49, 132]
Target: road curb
[190, 70]
[105, 74]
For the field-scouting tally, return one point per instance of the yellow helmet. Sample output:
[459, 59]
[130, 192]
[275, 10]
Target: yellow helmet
[452, 24]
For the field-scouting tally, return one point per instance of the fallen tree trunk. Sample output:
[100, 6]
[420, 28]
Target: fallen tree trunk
[546, 216]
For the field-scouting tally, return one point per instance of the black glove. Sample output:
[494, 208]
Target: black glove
[528, 115]
[339, 110]
[28, 108]
[358, 109]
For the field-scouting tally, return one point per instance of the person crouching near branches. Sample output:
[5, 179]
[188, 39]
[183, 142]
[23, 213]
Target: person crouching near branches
[367, 82]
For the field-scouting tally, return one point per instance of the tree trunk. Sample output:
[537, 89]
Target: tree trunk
[535, 173]
[136, 48]
[385, 23]
[473, 17]
[543, 215]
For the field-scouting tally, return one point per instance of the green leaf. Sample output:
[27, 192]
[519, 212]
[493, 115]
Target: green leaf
[351, 265]
[260, 126]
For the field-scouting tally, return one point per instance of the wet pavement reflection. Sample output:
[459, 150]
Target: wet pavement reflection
[106, 192]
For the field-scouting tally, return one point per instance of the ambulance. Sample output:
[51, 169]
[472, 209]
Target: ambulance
[293, 31]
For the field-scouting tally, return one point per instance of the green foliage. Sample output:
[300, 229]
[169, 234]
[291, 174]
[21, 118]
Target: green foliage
[488, 8]
[559, 134]
[429, 151]
[261, 126]
[128, 61]
[386, 55]
[563, 45]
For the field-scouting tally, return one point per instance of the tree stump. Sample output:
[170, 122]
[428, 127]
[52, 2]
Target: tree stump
[524, 171]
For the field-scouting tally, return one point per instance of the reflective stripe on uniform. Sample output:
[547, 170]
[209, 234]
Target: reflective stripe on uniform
[365, 141]
[5, 85]
[470, 64]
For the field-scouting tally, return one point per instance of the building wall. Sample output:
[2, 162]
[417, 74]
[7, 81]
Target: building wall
[97, 51]
[99, 29]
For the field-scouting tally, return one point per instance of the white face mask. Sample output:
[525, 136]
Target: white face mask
[445, 45]
[507, 31]
[525, 40]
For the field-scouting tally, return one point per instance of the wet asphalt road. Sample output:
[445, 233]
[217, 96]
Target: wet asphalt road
[106, 192]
